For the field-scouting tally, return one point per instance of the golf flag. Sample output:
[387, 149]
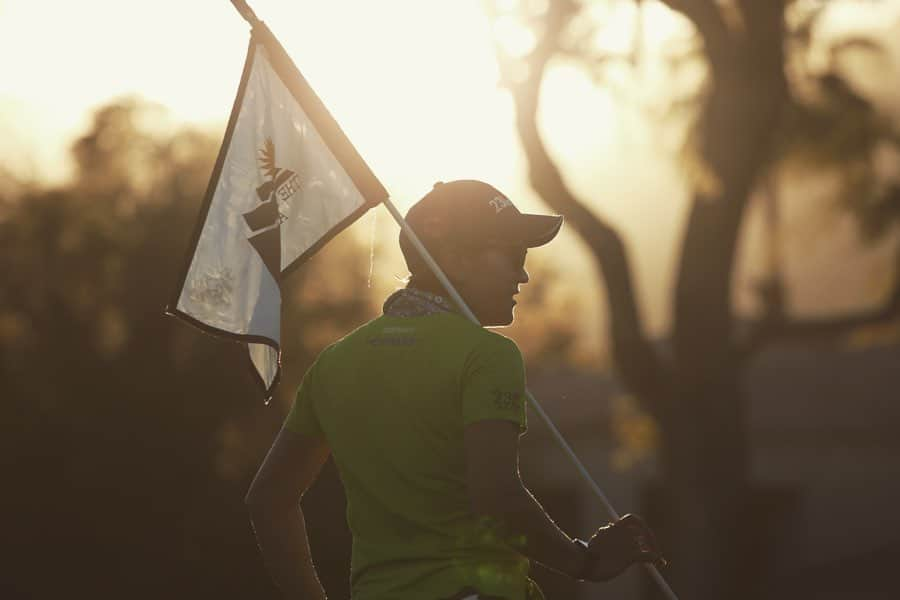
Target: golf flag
[286, 181]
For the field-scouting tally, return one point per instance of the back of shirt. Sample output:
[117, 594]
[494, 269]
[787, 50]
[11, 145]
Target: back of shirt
[392, 399]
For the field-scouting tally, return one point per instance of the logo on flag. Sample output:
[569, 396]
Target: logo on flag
[265, 220]
[266, 212]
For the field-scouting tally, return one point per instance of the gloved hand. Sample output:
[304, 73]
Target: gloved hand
[618, 545]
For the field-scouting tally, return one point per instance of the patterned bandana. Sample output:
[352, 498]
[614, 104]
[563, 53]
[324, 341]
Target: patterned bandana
[411, 302]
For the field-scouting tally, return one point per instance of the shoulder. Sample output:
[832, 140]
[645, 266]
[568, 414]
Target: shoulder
[461, 337]
[336, 348]
[492, 339]
[494, 349]
[473, 335]
[328, 356]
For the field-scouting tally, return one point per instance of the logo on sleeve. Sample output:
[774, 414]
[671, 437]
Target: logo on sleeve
[506, 400]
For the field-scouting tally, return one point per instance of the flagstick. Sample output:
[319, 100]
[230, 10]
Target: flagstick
[246, 12]
[579, 466]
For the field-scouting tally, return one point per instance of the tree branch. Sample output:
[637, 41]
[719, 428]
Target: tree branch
[735, 137]
[776, 328]
[638, 363]
[707, 19]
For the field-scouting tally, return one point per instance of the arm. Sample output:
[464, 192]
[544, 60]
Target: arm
[290, 467]
[497, 491]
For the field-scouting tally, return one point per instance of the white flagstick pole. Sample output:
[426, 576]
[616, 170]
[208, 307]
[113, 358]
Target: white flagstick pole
[579, 466]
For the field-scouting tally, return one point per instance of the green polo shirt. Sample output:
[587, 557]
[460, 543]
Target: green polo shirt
[392, 399]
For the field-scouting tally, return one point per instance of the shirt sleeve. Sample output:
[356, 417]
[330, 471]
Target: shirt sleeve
[493, 385]
[302, 417]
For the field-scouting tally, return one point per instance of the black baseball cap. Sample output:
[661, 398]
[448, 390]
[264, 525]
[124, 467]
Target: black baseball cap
[474, 213]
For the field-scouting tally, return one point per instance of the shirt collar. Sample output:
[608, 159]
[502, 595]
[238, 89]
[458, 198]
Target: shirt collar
[413, 302]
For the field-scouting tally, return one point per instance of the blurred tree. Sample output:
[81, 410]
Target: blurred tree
[127, 442]
[748, 118]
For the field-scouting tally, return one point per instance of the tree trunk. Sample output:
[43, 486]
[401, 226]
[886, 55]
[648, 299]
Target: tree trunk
[705, 450]
[696, 397]
[704, 458]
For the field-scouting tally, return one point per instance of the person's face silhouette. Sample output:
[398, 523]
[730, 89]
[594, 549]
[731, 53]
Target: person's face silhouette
[488, 278]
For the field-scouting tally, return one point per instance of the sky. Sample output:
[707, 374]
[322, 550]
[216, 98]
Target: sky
[412, 82]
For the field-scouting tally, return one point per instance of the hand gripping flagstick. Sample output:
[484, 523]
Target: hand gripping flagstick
[251, 18]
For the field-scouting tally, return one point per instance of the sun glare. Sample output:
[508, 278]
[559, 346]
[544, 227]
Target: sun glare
[57, 71]
[414, 84]
[515, 38]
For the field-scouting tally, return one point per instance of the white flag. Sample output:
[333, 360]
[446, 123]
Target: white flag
[287, 179]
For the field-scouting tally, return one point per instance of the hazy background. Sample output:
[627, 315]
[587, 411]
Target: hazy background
[132, 437]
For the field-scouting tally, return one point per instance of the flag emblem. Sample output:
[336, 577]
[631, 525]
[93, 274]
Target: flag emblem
[286, 181]
[266, 219]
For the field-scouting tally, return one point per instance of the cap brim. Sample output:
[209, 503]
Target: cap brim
[537, 230]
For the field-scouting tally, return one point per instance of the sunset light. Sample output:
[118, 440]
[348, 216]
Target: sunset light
[414, 84]
[450, 299]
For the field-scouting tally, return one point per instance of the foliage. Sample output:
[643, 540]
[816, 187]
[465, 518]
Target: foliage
[128, 437]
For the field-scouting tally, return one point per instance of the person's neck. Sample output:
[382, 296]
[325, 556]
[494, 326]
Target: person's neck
[435, 289]
[430, 287]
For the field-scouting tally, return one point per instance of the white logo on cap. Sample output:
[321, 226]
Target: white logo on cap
[499, 203]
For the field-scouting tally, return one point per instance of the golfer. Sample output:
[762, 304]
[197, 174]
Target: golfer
[422, 411]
